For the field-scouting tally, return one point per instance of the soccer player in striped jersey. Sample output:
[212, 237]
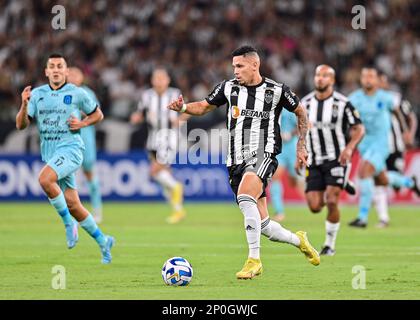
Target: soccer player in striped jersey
[57, 109]
[331, 117]
[162, 137]
[401, 137]
[254, 104]
[88, 134]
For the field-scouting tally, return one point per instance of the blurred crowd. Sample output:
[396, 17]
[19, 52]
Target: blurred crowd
[118, 43]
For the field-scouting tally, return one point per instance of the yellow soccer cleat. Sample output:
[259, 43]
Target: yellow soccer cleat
[252, 268]
[177, 195]
[306, 248]
[176, 216]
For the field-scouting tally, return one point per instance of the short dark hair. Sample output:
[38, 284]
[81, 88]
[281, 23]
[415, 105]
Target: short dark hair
[370, 66]
[243, 50]
[54, 55]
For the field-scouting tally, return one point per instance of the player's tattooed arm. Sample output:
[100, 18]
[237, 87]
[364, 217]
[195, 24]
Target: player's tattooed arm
[22, 119]
[302, 119]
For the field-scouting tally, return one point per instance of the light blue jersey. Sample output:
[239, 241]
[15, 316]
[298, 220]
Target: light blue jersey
[89, 138]
[375, 113]
[287, 157]
[51, 109]
[61, 148]
[288, 122]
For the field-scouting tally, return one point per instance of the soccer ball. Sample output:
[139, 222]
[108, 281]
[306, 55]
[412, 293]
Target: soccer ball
[177, 271]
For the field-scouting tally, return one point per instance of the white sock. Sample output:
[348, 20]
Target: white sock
[248, 206]
[381, 203]
[331, 230]
[167, 193]
[165, 179]
[275, 232]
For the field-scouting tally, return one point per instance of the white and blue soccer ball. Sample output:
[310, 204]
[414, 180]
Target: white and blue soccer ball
[177, 271]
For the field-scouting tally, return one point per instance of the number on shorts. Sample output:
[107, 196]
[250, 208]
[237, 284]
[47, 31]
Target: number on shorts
[59, 161]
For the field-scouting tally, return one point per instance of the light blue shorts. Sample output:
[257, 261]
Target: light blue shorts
[65, 162]
[376, 157]
[287, 157]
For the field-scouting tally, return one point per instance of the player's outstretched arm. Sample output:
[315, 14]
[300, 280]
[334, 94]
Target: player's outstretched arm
[93, 118]
[408, 121]
[194, 108]
[356, 134]
[302, 125]
[411, 134]
[22, 119]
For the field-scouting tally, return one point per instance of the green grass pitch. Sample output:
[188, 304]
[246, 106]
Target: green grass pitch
[32, 242]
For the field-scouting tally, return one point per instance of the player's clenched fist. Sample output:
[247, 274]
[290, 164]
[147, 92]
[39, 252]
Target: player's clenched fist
[177, 105]
[26, 95]
[75, 124]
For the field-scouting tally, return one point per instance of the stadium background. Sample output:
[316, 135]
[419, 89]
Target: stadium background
[118, 43]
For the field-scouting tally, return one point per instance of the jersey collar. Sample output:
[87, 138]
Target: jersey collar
[65, 82]
[324, 98]
[258, 84]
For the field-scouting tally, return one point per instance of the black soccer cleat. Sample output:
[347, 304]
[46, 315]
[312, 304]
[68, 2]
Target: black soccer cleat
[416, 186]
[358, 223]
[350, 188]
[327, 251]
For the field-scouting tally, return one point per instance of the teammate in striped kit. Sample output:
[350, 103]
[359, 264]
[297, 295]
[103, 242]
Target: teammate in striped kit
[88, 135]
[331, 118]
[401, 136]
[254, 104]
[162, 138]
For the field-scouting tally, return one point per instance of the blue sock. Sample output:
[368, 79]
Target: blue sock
[60, 204]
[367, 188]
[397, 180]
[95, 193]
[91, 227]
[276, 193]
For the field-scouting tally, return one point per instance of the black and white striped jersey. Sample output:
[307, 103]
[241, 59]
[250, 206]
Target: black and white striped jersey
[159, 118]
[329, 121]
[398, 125]
[252, 117]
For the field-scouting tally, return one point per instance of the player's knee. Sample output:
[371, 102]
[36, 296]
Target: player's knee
[331, 200]
[382, 180]
[73, 205]
[45, 181]
[154, 170]
[315, 206]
